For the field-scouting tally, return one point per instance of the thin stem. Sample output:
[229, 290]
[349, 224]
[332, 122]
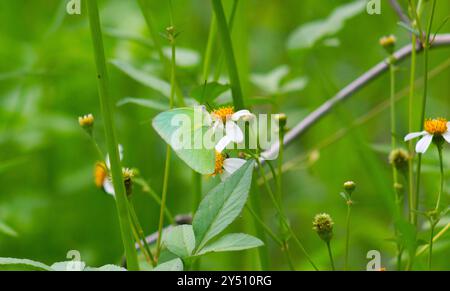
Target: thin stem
[264, 226]
[144, 6]
[347, 236]
[430, 250]
[436, 237]
[283, 218]
[411, 214]
[424, 99]
[209, 48]
[331, 256]
[140, 234]
[168, 151]
[441, 166]
[107, 109]
[197, 181]
[226, 43]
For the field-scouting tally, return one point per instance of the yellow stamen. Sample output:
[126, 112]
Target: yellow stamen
[437, 126]
[224, 113]
[220, 158]
[100, 174]
[86, 120]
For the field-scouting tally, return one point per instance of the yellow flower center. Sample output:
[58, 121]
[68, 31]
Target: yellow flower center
[224, 113]
[86, 120]
[436, 126]
[220, 158]
[100, 174]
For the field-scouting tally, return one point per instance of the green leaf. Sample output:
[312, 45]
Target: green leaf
[12, 264]
[148, 103]
[183, 138]
[180, 240]
[6, 229]
[208, 92]
[407, 235]
[222, 205]
[232, 242]
[144, 78]
[310, 33]
[173, 265]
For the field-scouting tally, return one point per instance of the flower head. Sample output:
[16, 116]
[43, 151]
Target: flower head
[323, 225]
[435, 129]
[226, 166]
[225, 118]
[349, 187]
[399, 158]
[86, 122]
[388, 43]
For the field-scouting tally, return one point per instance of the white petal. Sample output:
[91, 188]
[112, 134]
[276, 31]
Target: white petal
[423, 144]
[447, 136]
[231, 165]
[222, 144]
[412, 135]
[108, 186]
[234, 132]
[244, 114]
[217, 126]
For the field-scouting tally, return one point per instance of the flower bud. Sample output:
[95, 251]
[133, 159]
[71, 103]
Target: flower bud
[282, 120]
[323, 225]
[128, 175]
[388, 43]
[87, 122]
[399, 158]
[349, 187]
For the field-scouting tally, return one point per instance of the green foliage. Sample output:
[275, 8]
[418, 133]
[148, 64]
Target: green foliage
[207, 93]
[232, 242]
[180, 240]
[12, 264]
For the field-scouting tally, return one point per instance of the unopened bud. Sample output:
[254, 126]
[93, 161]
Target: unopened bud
[87, 122]
[323, 225]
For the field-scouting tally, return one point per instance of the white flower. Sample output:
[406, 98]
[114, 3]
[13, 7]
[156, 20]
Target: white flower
[225, 166]
[225, 117]
[438, 127]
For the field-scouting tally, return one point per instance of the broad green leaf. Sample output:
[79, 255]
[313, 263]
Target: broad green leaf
[173, 265]
[12, 264]
[222, 205]
[153, 104]
[184, 134]
[208, 92]
[6, 229]
[310, 33]
[144, 78]
[69, 266]
[180, 240]
[232, 242]
[184, 57]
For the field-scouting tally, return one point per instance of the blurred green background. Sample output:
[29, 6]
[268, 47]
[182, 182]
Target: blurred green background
[48, 201]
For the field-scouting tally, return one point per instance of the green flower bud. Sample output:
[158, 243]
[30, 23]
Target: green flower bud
[399, 158]
[323, 225]
[349, 187]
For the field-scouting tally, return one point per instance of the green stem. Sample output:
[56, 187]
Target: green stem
[264, 226]
[430, 250]
[209, 48]
[168, 152]
[145, 8]
[140, 233]
[347, 236]
[197, 181]
[331, 256]
[424, 98]
[226, 43]
[283, 217]
[441, 166]
[107, 108]
[411, 202]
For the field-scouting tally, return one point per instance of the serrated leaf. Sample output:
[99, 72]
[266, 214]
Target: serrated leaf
[310, 33]
[186, 139]
[222, 205]
[148, 103]
[13, 264]
[173, 265]
[208, 92]
[180, 240]
[232, 242]
[143, 77]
